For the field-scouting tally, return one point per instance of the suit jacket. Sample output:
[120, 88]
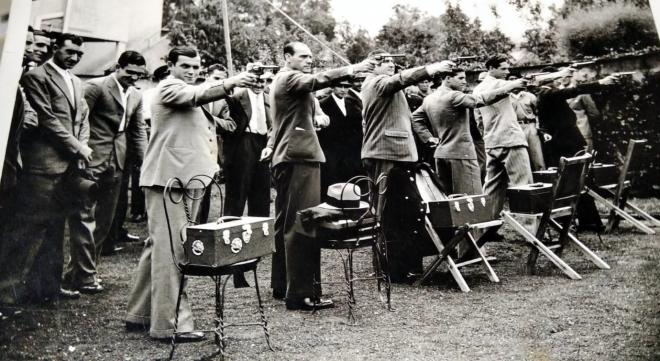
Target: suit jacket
[447, 111]
[240, 110]
[501, 128]
[558, 119]
[63, 126]
[292, 110]
[105, 115]
[183, 140]
[343, 137]
[388, 132]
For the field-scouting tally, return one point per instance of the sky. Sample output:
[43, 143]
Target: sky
[373, 14]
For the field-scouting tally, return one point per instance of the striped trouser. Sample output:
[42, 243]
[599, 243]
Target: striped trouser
[505, 167]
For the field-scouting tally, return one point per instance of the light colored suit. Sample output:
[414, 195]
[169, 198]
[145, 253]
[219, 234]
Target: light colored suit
[183, 144]
[109, 145]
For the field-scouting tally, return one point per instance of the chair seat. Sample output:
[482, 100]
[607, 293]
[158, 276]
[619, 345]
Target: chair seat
[197, 270]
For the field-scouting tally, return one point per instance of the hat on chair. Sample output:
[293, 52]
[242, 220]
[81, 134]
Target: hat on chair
[344, 196]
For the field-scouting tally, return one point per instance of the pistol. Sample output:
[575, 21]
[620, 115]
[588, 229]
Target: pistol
[625, 73]
[460, 59]
[581, 64]
[261, 69]
[380, 57]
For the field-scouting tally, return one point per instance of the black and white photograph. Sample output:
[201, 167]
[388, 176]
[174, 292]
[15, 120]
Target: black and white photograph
[330, 180]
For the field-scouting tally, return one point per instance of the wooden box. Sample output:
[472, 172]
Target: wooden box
[602, 174]
[220, 244]
[530, 198]
[457, 210]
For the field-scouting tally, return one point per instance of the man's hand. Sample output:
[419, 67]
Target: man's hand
[610, 80]
[266, 153]
[518, 83]
[243, 80]
[321, 121]
[226, 124]
[433, 142]
[444, 66]
[365, 66]
[85, 154]
[547, 137]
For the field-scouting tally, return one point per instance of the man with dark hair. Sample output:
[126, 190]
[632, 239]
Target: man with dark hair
[388, 142]
[51, 154]
[507, 159]
[342, 139]
[183, 145]
[41, 51]
[116, 127]
[296, 155]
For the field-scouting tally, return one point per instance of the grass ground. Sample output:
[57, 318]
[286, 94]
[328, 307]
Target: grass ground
[608, 315]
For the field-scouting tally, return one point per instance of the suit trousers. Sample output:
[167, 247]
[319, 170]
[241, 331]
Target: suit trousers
[480, 148]
[403, 257]
[533, 146]
[247, 179]
[296, 266]
[32, 250]
[152, 300]
[458, 176]
[505, 167]
[96, 217]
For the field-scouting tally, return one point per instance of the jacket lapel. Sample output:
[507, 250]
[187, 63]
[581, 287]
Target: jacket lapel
[114, 90]
[61, 83]
[247, 106]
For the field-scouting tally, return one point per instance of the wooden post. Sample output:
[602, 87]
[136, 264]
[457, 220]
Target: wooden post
[11, 66]
[225, 27]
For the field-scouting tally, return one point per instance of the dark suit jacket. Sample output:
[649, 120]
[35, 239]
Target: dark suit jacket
[63, 127]
[558, 119]
[240, 110]
[292, 109]
[105, 115]
[388, 132]
[341, 141]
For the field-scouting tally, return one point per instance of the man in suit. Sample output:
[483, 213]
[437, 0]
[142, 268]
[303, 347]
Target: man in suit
[183, 144]
[296, 155]
[49, 153]
[388, 142]
[507, 159]
[342, 139]
[247, 178]
[116, 124]
[524, 103]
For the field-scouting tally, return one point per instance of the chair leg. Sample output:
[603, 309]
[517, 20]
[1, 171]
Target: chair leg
[456, 273]
[382, 272]
[621, 212]
[489, 270]
[220, 313]
[264, 322]
[176, 316]
[588, 252]
[643, 214]
[348, 286]
[540, 247]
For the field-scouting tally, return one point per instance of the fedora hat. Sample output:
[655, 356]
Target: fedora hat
[344, 196]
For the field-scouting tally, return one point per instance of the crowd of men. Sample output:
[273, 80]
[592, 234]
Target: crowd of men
[67, 157]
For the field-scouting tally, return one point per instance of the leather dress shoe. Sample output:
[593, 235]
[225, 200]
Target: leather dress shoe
[136, 327]
[110, 252]
[307, 304]
[278, 295]
[128, 238]
[68, 294]
[137, 218]
[187, 337]
[91, 288]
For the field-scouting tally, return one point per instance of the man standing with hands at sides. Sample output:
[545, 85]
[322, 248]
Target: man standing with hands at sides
[507, 159]
[296, 157]
[116, 124]
[182, 144]
[388, 139]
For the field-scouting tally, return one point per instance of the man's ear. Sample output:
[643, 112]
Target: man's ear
[287, 57]
[170, 64]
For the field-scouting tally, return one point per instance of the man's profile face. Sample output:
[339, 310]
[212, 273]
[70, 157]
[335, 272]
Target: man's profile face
[41, 49]
[501, 71]
[386, 67]
[29, 47]
[340, 91]
[457, 82]
[68, 55]
[301, 59]
[128, 75]
[186, 68]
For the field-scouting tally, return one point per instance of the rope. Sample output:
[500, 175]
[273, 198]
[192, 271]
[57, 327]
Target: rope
[323, 44]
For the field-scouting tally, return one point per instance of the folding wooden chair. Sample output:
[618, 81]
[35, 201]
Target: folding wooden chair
[619, 192]
[558, 215]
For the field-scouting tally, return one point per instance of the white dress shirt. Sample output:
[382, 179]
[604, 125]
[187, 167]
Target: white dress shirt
[124, 97]
[67, 79]
[340, 103]
[258, 119]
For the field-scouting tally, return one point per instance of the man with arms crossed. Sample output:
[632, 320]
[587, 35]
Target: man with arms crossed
[182, 144]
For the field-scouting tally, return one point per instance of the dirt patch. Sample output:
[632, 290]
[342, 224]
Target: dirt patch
[608, 315]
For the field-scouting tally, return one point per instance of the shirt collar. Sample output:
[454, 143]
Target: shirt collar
[63, 72]
[121, 89]
[337, 99]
